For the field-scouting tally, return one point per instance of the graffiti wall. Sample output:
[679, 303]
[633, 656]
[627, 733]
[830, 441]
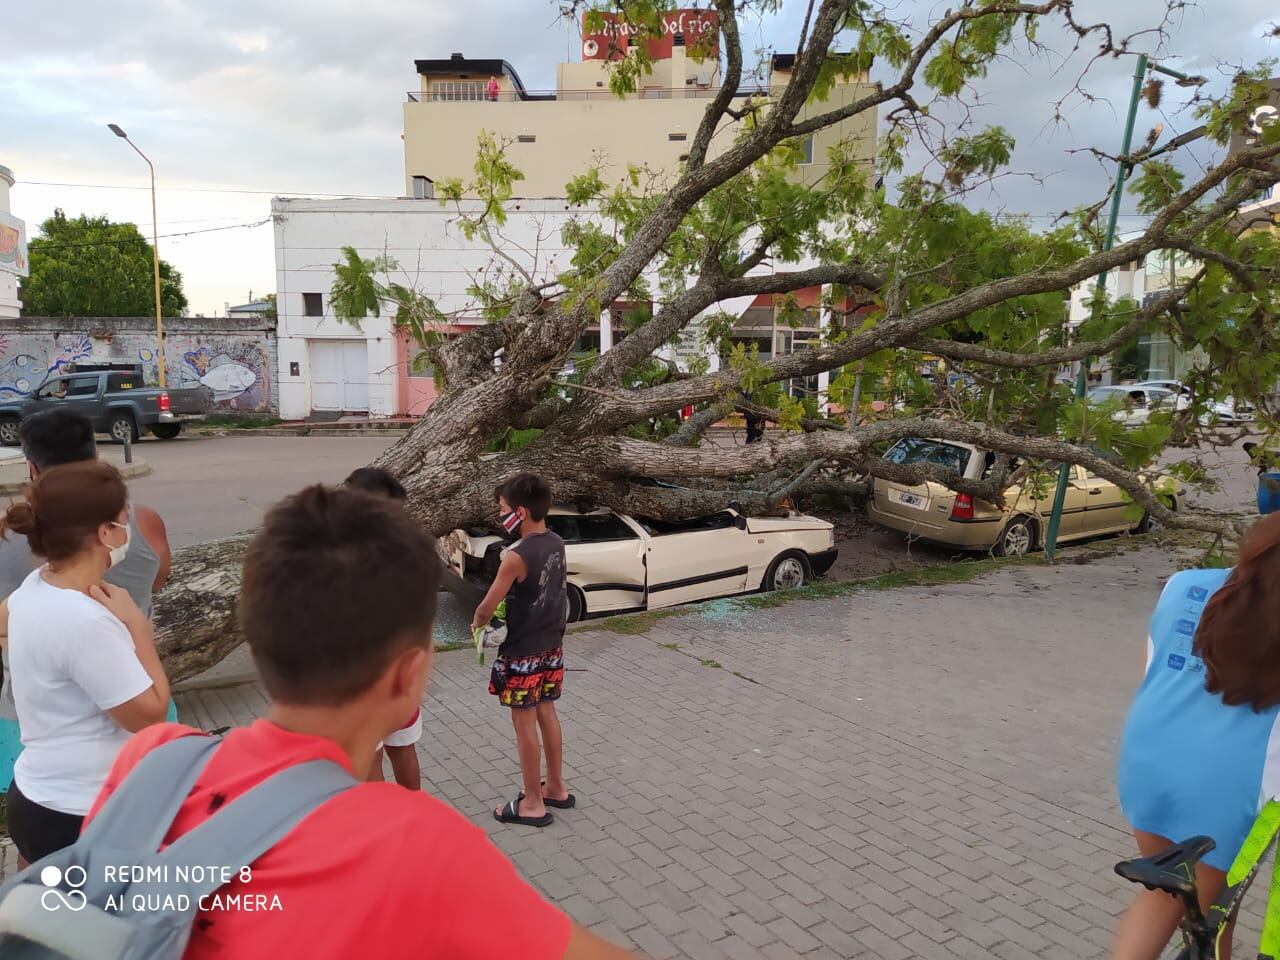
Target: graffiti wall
[233, 357]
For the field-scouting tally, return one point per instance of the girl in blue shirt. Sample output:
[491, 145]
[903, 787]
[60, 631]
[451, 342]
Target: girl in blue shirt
[1200, 753]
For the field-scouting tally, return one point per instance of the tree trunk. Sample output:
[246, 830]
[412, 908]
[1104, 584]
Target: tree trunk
[195, 616]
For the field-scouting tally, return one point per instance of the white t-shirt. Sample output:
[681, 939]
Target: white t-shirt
[71, 661]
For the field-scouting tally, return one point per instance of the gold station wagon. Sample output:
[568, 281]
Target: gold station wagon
[930, 511]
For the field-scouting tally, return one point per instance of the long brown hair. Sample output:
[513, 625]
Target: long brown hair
[1238, 637]
[65, 506]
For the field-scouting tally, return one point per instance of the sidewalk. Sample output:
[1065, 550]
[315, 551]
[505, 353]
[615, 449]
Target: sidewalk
[918, 772]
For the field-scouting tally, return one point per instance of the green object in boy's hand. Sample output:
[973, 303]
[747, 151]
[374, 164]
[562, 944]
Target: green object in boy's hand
[478, 636]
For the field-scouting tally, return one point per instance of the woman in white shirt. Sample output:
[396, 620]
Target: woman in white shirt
[84, 665]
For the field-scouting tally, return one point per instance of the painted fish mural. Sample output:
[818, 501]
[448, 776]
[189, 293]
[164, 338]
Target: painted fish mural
[20, 375]
[229, 380]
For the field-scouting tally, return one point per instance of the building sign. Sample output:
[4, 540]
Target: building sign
[695, 26]
[13, 245]
[1261, 116]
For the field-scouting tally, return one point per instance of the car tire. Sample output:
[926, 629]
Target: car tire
[166, 431]
[1149, 524]
[122, 427]
[10, 436]
[789, 571]
[1018, 538]
[576, 603]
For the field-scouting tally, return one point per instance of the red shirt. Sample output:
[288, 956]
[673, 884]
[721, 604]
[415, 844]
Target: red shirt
[377, 871]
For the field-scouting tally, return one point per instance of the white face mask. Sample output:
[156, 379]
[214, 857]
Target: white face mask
[119, 553]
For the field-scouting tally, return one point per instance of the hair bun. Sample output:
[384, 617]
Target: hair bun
[20, 517]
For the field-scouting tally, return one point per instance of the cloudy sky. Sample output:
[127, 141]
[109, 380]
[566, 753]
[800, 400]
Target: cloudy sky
[237, 100]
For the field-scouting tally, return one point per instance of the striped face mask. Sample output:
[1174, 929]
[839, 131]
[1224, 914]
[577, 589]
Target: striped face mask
[510, 522]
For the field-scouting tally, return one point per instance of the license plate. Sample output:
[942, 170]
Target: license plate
[911, 500]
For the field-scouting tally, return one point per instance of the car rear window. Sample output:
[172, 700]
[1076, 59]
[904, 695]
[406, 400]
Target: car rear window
[914, 450]
[121, 381]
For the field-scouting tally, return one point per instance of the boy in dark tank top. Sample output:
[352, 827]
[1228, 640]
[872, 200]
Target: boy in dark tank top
[528, 673]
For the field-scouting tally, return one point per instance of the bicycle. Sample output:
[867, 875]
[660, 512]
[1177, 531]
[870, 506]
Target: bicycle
[1174, 872]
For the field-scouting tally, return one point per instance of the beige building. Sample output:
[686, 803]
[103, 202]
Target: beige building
[553, 135]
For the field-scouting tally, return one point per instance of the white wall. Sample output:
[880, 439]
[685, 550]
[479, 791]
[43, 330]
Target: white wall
[433, 255]
[10, 305]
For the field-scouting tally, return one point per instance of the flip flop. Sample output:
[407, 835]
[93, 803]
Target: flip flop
[566, 804]
[511, 814]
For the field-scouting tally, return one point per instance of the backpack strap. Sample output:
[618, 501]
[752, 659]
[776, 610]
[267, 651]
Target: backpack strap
[253, 823]
[140, 811]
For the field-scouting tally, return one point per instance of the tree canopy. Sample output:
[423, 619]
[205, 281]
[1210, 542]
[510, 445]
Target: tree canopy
[91, 267]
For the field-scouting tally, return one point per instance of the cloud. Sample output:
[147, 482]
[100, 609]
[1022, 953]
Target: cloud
[305, 96]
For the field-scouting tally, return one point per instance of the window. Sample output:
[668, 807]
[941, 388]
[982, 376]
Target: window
[82, 386]
[677, 136]
[457, 90]
[592, 528]
[526, 138]
[312, 305]
[806, 149]
[121, 381]
[914, 450]
[662, 528]
[54, 388]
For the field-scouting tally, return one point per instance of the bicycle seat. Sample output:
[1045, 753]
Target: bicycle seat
[1172, 870]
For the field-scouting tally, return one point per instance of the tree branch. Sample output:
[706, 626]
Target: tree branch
[715, 111]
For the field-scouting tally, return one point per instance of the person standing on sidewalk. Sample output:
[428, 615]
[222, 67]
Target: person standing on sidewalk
[52, 438]
[528, 674]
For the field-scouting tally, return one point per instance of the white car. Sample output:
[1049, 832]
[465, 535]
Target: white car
[621, 564]
[1136, 402]
[1225, 411]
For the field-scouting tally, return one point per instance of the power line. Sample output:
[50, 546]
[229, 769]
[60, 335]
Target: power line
[115, 243]
[272, 193]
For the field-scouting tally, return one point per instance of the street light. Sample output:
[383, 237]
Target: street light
[1122, 173]
[155, 249]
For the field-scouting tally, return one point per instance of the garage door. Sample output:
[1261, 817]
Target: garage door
[339, 375]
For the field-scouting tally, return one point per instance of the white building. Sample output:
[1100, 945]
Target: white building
[13, 250]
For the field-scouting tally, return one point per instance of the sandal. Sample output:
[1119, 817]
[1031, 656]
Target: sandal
[566, 804]
[511, 814]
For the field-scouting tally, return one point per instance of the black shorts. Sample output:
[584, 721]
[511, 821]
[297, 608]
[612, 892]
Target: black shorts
[38, 831]
[527, 681]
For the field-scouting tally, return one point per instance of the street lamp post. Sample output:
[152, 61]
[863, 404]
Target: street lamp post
[155, 250]
[1123, 169]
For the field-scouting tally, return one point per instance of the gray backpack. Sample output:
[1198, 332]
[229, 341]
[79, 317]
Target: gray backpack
[111, 896]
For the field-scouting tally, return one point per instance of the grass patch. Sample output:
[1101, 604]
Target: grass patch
[454, 645]
[241, 423]
[743, 676]
[638, 624]
[669, 646]
[716, 664]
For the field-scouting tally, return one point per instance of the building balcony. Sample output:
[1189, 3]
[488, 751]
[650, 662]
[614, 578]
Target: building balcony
[464, 94]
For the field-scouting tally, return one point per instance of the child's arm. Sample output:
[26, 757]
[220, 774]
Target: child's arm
[510, 570]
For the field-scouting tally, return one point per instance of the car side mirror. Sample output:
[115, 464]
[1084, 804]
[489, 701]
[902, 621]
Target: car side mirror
[740, 522]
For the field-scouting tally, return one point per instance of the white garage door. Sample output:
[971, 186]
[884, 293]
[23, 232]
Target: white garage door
[339, 375]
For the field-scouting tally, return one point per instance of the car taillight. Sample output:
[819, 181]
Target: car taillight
[164, 403]
[962, 509]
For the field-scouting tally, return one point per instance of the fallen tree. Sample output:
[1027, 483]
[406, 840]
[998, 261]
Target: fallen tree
[906, 279]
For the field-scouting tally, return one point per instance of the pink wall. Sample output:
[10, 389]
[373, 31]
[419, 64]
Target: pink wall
[414, 393]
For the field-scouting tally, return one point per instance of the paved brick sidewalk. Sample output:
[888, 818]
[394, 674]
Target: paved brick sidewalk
[921, 772]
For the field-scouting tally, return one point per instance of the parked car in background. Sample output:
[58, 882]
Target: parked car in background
[1225, 411]
[932, 511]
[1136, 403]
[621, 564]
[114, 398]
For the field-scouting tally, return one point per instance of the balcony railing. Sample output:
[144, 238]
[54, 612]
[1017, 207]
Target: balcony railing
[691, 91]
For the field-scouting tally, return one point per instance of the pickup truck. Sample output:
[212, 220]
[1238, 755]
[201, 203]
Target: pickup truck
[115, 399]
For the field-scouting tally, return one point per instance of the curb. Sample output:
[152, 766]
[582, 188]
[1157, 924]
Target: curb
[304, 432]
[129, 471]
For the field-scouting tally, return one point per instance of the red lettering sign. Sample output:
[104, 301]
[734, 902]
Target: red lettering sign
[696, 26]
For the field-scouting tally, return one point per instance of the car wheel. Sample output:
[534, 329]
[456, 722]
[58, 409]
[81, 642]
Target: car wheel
[788, 571]
[123, 429]
[576, 604]
[167, 431]
[1017, 539]
[1149, 524]
[9, 434]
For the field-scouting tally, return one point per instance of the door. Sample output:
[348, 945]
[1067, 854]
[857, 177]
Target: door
[339, 375]
[606, 559]
[1075, 506]
[695, 559]
[73, 392]
[1106, 509]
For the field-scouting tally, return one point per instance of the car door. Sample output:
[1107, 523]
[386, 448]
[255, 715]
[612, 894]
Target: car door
[1074, 506]
[1106, 509]
[82, 392]
[696, 559]
[606, 559]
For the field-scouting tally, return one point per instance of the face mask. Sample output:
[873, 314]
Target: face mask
[119, 553]
[510, 522]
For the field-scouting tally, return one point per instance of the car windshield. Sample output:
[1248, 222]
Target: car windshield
[915, 450]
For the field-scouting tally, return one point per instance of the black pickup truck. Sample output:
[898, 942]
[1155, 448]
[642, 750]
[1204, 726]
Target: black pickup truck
[115, 398]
